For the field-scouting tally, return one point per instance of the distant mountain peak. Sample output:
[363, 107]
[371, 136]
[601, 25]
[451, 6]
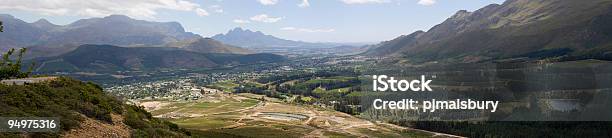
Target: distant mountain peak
[110, 18]
[44, 24]
[42, 21]
[118, 16]
[241, 31]
[248, 38]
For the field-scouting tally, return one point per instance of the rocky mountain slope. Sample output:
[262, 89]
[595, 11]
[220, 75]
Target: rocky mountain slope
[517, 28]
[116, 30]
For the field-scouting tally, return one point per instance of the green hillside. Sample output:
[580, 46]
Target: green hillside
[113, 58]
[74, 101]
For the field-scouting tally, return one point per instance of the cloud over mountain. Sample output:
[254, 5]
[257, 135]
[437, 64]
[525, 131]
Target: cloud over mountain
[307, 30]
[364, 1]
[97, 8]
[427, 2]
[241, 21]
[268, 2]
[304, 4]
[266, 18]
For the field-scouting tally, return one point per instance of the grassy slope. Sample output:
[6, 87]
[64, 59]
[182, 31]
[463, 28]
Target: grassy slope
[68, 98]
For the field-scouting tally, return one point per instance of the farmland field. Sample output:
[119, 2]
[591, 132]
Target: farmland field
[247, 115]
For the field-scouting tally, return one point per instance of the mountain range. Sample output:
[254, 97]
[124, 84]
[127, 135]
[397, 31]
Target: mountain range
[256, 39]
[116, 30]
[532, 29]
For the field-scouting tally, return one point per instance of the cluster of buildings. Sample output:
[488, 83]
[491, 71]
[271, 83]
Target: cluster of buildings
[190, 87]
[176, 89]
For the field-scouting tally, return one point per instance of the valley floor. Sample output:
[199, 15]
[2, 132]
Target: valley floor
[247, 115]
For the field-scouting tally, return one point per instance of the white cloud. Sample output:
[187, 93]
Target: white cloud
[99, 8]
[265, 18]
[364, 1]
[307, 30]
[427, 2]
[216, 8]
[240, 21]
[268, 2]
[201, 12]
[304, 3]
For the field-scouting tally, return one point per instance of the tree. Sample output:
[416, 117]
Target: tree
[12, 69]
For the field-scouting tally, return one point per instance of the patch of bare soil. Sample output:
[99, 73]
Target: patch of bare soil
[153, 105]
[91, 128]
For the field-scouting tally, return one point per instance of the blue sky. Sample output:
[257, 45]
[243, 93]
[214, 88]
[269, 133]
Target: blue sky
[306, 20]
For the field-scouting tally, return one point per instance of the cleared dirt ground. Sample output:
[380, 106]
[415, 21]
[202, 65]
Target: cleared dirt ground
[247, 115]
